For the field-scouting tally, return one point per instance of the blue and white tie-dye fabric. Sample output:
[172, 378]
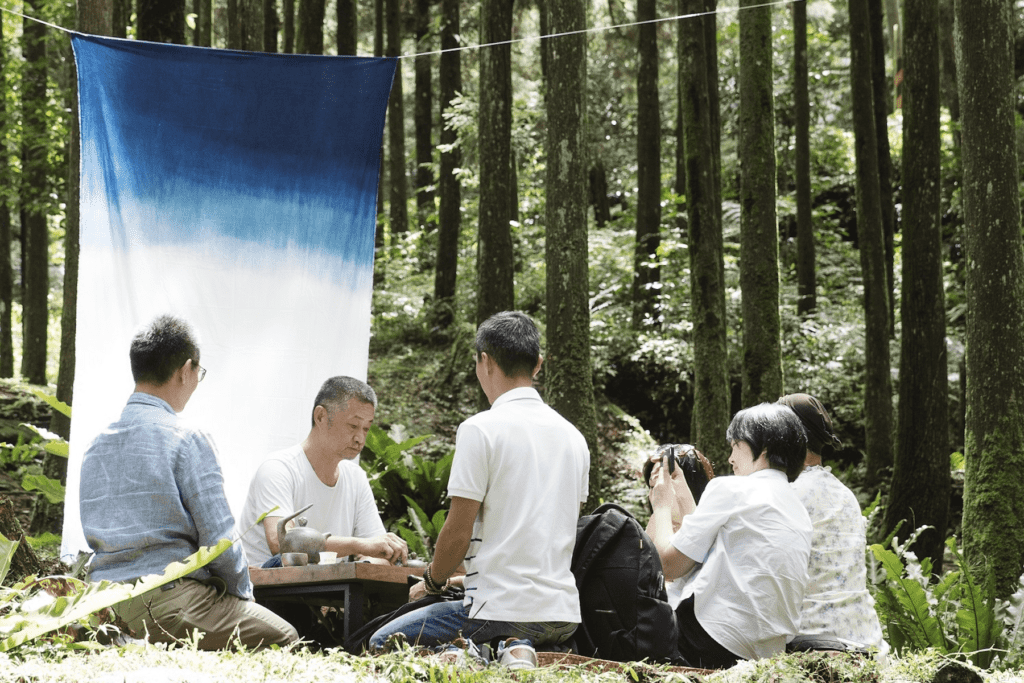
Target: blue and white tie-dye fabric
[237, 190]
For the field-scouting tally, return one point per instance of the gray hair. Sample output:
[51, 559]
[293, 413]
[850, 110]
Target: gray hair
[336, 392]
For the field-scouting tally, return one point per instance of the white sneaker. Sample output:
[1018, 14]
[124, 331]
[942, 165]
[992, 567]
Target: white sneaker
[517, 654]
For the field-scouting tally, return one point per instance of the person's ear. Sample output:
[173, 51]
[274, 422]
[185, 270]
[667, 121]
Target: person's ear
[536, 370]
[319, 414]
[184, 370]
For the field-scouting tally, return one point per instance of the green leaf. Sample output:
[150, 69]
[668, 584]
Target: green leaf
[7, 549]
[46, 540]
[259, 520]
[413, 442]
[51, 488]
[908, 604]
[52, 401]
[58, 448]
[27, 626]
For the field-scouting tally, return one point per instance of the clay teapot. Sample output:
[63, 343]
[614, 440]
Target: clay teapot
[300, 538]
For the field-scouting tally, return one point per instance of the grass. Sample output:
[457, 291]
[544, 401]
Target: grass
[156, 664]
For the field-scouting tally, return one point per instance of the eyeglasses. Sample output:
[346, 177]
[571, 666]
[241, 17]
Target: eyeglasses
[201, 370]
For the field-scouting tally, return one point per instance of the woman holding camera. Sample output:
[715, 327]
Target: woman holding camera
[753, 537]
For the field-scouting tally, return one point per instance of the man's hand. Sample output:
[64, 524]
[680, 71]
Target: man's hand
[386, 546]
[417, 590]
[663, 493]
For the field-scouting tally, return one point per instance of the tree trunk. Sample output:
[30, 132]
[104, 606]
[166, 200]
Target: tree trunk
[920, 488]
[251, 18]
[947, 62]
[396, 126]
[161, 21]
[569, 387]
[877, 382]
[710, 21]
[6, 270]
[544, 31]
[122, 17]
[450, 189]
[759, 232]
[993, 523]
[880, 88]
[648, 152]
[348, 27]
[424, 120]
[35, 202]
[378, 51]
[494, 242]
[271, 24]
[807, 299]
[711, 386]
[598, 187]
[309, 39]
[25, 561]
[204, 22]
[288, 10]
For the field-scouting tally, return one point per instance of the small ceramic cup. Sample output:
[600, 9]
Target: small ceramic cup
[328, 557]
[294, 559]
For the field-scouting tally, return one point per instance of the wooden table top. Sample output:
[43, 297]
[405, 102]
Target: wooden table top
[341, 572]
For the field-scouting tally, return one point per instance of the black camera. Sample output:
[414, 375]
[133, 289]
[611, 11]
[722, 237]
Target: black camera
[696, 469]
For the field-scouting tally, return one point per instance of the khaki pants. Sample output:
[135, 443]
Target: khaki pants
[172, 615]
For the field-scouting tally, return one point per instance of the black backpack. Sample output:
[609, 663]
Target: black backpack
[625, 612]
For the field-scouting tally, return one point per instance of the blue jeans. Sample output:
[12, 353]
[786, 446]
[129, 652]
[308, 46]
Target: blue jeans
[274, 561]
[443, 622]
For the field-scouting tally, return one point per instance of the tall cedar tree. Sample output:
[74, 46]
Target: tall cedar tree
[993, 523]
[348, 27]
[882, 103]
[710, 21]
[234, 24]
[450, 188]
[711, 387]
[288, 10]
[424, 119]
[399, 200]
[947, 63]
[877, 381]
[494, 242]
[759, 231]
[648, 153]
[122, 17]
[568, 376]
[309, 34]
[34, 201]
[251, 16]
[921, 485]
[161, 21]
[382, 187]
[271, 24]
[806, 278]
[6, 271]
[204, 22]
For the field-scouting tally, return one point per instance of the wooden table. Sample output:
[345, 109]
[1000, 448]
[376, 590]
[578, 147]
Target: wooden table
[361, 589]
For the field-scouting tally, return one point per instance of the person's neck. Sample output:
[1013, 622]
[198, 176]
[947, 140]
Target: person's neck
[812, 460]
[164, 392]
[504, 384]
[323, 463]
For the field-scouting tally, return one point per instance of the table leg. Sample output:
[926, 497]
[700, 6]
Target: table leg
[355, 602]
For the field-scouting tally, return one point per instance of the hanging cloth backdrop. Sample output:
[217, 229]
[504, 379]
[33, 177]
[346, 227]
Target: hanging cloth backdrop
[239, 191]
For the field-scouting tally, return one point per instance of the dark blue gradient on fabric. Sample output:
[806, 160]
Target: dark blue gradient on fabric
[280, 150]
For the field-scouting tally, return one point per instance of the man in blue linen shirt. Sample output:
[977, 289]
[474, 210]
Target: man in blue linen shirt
[152, 493]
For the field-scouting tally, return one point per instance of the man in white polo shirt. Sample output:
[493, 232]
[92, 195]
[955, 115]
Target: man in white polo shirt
[518, 480]
[321, 471]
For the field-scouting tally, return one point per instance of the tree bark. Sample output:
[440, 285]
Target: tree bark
[494, 241]
[450, 189]
[6, 270]
[921, 485]
[161, 21]
[880, 88]
[204, 22]
[378, 51]
[122, 17]
[759, 232]
[25, 561]
[234, 12]
[252, 33]
[710, 21]
[807, 299]
[309, 39]
[35, 202]
[598, 188]
[648, 142]
[424, 120]
[711, 386]
[348, 27]
[947, 62]
[288, 10]
[877, 382]
[993, 523]
[569, 387]
[399, 203]
[271, 23]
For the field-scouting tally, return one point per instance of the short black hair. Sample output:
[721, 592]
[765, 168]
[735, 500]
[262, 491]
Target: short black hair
[775, 430]
[511, 338]
[160, 348]
[336, 392]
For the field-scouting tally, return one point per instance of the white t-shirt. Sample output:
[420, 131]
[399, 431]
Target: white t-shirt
[528, 466]
[287, 480]
[837, 603]
[754, 537]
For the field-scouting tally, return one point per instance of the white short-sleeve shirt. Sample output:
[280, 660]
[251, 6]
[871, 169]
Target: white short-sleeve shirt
[528, 466]
[288, 481]
[837, 603]
[754, 538]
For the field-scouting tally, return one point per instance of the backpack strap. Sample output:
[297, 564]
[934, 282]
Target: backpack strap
[596, 531]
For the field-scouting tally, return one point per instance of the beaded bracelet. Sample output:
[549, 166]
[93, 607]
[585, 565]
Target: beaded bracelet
[431, 586]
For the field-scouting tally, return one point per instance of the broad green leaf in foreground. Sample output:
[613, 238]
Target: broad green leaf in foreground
[51, 488]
